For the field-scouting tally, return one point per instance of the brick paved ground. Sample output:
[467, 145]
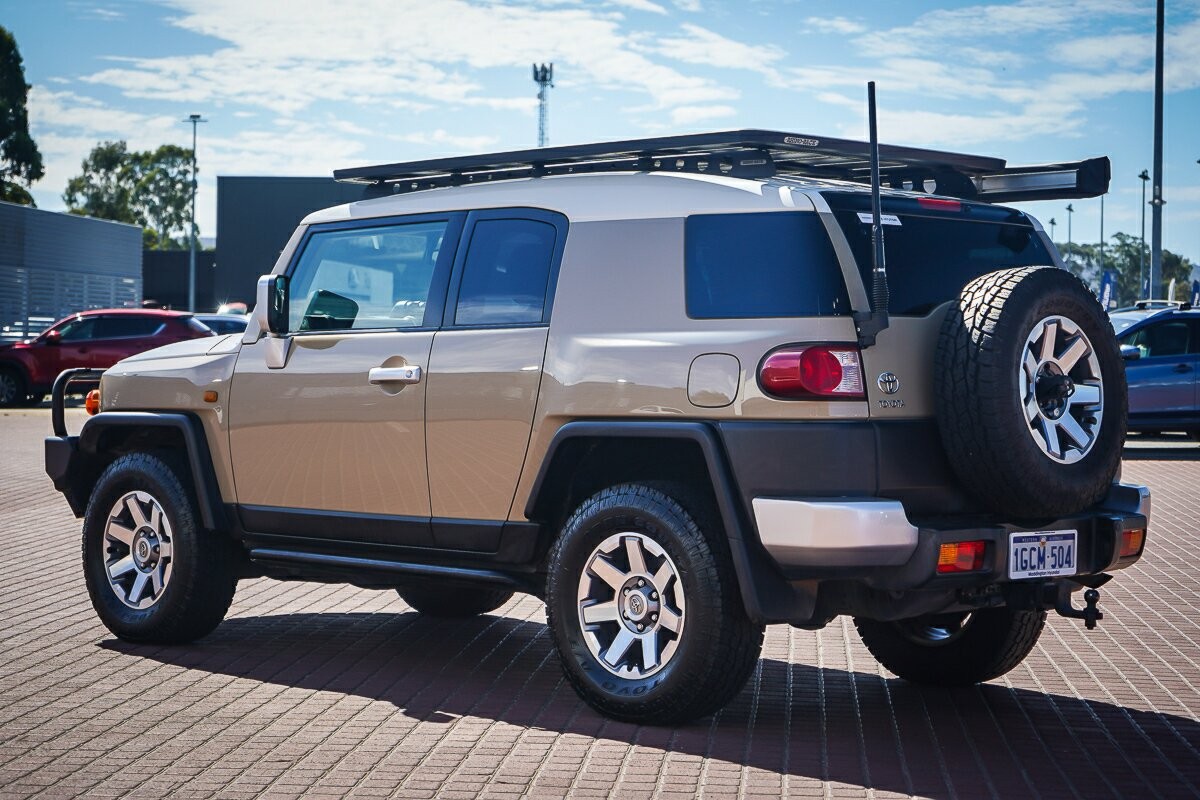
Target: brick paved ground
[324, 691]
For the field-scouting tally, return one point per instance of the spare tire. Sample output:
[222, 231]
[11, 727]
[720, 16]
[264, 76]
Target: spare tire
[1030, 387]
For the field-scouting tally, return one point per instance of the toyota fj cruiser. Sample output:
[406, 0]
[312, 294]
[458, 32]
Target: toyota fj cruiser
[668, 385]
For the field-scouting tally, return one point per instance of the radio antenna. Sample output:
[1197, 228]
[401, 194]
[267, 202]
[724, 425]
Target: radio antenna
[870, 324]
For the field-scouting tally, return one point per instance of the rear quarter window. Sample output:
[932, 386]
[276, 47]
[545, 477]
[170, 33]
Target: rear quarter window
[778, 264]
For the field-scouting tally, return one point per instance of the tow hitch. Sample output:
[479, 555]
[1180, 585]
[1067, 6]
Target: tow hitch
[1090, 613]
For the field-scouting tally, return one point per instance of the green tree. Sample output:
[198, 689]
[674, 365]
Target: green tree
[20, 161]
[147, 188]
[1124, 254]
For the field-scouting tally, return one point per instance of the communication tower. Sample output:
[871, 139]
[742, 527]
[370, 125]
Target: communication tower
[543, 76]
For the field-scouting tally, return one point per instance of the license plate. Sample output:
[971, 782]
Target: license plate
[1043, 554]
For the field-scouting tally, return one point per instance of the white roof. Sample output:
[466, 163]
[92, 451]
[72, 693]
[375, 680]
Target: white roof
[594, 197]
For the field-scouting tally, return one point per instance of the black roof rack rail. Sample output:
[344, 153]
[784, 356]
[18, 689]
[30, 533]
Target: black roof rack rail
[753, 154]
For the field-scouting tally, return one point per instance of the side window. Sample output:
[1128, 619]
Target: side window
[79, 330]
[506, 272]
[126, 327]
[366, 278]
[778, 264]
[1163, 339]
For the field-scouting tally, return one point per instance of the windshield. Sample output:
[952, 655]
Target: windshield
[1121, 322]
[932, 252]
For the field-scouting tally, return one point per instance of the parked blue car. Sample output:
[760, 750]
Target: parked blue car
[1161, 345]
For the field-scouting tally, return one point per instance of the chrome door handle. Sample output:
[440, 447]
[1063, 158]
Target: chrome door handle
[394, 375]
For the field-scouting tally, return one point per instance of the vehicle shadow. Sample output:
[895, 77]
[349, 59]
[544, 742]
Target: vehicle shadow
[794, 719]
[1152, 453]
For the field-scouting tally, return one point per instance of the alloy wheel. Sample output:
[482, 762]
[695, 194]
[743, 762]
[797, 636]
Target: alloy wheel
[1062, 389]
[631, 605]
[137, 550]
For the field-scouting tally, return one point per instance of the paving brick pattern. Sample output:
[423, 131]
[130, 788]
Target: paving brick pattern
[312, 690]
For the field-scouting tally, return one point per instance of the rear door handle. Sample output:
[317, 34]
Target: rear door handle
[1183, 367]
[394, 375]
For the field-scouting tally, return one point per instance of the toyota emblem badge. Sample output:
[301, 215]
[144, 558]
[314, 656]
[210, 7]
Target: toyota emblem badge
[888, 383]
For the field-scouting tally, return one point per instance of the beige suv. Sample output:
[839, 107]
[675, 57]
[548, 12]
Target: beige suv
[644, 381]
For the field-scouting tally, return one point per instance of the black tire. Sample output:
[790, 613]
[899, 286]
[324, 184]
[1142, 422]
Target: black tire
[717, 646]
[987, 645]
[987, 437]
[13, 388]
[453, 601]
[196, 595]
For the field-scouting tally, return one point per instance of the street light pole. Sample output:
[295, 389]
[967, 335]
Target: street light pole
[1157, 201]
[1052, 224]
[195, 119]
[1070, 212]
[1145, 176]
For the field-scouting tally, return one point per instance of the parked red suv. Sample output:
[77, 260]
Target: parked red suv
[96, 339]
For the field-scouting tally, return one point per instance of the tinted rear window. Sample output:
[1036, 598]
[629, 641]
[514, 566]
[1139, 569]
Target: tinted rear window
[931, 254]
[778, 264]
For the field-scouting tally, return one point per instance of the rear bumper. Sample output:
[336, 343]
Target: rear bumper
[875, 542]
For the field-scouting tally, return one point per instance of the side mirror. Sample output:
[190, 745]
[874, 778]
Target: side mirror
[270, 313]
[1130, 352]
[53, 338]
[277, 308]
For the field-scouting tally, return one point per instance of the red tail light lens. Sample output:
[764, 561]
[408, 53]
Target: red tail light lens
[819, 371]
[938, 204]
[961, 557]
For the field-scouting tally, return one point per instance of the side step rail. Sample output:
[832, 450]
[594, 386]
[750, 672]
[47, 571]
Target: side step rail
[358, 564]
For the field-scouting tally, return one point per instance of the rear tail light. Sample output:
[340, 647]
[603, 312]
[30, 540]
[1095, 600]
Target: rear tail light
[961, 557]
[91, 403]
[1131, 542]
[818, 371]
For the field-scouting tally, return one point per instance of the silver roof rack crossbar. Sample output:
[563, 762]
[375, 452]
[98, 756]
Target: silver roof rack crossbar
[753, 154]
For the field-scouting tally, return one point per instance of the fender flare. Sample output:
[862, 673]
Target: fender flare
[199, 457]
[767, 595]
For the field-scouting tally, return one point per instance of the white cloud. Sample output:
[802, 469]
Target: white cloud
[442, 137]
[833, 25]
[701, 46]
[690, 115]
[640, 5]
[383, 51]
[690, 6]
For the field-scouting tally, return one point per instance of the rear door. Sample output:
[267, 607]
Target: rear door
[485, 370]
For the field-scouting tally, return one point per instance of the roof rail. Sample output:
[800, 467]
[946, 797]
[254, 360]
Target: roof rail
[754, 154]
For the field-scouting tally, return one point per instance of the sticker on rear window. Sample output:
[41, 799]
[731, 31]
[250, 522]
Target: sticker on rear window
[884, 219]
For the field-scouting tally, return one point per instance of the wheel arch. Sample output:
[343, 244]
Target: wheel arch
[113, 433]
[586, 456]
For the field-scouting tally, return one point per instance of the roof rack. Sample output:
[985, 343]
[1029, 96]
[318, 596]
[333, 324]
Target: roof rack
[754, 154]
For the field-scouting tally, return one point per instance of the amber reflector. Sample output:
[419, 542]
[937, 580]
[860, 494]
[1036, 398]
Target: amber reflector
[1131, 542]
[210, 396]
[92, 402]
[961, 556]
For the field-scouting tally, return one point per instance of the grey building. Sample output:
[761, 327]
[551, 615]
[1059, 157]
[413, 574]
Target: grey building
[255, 218]
[54, 264]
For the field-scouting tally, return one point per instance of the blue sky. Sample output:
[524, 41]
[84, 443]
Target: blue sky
[304, 87]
